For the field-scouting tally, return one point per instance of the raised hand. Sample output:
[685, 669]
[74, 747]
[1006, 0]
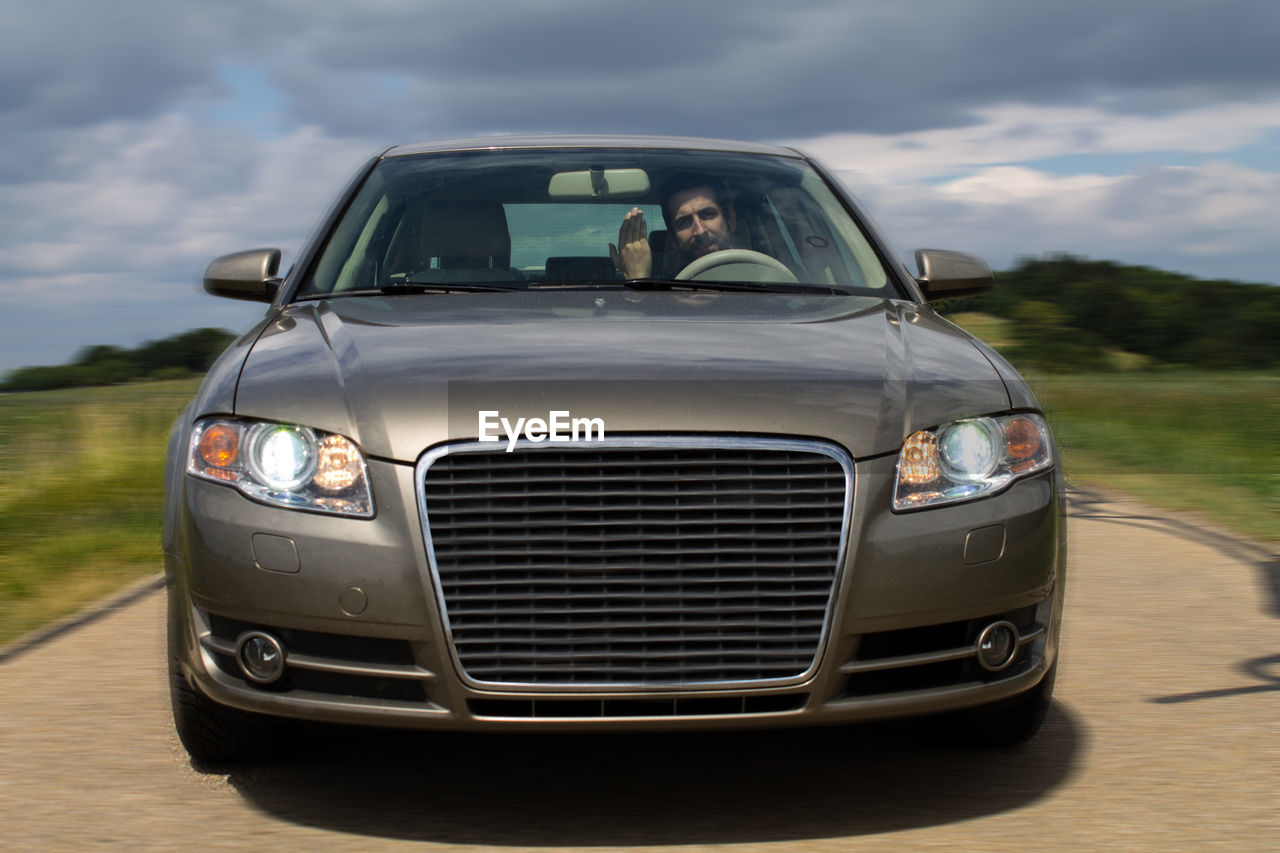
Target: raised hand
[631, 256]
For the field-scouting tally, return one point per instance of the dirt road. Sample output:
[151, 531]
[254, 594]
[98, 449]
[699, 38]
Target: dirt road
[1166, 736]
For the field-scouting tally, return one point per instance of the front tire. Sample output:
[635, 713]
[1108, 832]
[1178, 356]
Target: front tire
[213, 733]
[1013, 721]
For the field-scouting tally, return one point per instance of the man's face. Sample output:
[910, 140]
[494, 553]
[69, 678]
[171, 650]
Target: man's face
[698, 223]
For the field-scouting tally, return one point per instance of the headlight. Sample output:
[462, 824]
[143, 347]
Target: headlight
[284, 464]
[968, 459]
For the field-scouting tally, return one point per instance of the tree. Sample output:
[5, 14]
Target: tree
[1163, 315]
[185, 354]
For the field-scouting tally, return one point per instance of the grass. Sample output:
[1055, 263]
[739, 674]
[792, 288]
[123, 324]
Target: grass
[80, 500]
[1183, 440]
[1180, 439]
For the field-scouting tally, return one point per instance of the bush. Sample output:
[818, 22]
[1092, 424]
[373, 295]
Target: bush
[1164, 316]
[175, 357]
[1044, 340]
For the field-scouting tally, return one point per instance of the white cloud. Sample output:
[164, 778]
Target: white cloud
[1213, 220]
[1020, 133]
[157, 199]
[138, 155]
[979, 188]
[1004, 185]
[112, 250]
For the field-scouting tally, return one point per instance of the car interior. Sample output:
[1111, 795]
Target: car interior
[534, 227]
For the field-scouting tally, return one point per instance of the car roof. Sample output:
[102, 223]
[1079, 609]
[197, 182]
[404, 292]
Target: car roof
[489, 143]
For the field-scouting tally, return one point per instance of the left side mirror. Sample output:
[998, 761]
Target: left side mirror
[245, 275]
[948, 275]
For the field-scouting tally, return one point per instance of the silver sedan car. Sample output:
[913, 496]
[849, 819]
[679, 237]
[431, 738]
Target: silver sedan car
[606, 433]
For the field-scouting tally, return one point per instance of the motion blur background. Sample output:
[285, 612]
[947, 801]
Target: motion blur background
[139, 139]
[142, 138]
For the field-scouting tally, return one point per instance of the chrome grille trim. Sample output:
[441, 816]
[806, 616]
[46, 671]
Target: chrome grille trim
[540, 593]
[319, 664]
[924, 658]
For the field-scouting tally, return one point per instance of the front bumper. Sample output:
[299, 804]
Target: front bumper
[367, 645]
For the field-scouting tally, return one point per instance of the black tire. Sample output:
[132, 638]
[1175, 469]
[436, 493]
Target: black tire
[1013, 721]
[215, 734]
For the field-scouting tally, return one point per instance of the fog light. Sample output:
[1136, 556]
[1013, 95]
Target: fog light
[997, 646]
[260, 656]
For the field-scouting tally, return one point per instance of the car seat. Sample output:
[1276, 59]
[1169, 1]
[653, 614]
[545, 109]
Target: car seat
[466, 241]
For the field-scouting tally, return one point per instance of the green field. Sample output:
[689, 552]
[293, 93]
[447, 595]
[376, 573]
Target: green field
[80, 499]
[1177, 438]
[80, 502]
[1183, 440]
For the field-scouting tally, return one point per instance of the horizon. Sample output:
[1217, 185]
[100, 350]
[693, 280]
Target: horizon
[1017, 264]
[1143, 131]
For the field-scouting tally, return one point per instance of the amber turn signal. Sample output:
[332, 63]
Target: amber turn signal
[220, 446]
[1022, 439]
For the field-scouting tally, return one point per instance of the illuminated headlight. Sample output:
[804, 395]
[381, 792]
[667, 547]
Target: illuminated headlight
[969, 459]
[281, 457]
[284, 464]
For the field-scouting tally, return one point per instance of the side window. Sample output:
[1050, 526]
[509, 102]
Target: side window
[352, 254]
[361, 268]
[784, 235]
[808, 237]
[855, 253]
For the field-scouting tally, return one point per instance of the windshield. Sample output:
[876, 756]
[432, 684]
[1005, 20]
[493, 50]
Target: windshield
[540, 219]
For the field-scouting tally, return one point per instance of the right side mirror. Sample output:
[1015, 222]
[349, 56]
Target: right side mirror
[247, 275]
[948, 275]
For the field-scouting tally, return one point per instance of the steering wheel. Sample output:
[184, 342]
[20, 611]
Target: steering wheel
[736, 265]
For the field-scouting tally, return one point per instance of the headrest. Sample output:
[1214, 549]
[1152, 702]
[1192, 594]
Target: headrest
[467, 235]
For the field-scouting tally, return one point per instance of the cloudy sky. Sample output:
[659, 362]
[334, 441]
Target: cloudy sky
[142, 138]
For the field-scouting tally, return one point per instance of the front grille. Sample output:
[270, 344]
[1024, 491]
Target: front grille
[694, 707]
[648, 563]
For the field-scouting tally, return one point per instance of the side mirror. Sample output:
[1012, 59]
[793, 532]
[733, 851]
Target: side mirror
[948, 275]
[245, 275]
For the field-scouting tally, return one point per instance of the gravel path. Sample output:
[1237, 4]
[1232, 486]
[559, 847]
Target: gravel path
[1166, 736]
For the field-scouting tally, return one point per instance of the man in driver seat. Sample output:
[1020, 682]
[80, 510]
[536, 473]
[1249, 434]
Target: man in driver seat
[697, 225]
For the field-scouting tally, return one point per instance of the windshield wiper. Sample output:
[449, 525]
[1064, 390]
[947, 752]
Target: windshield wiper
[396, 288]
[739, 286]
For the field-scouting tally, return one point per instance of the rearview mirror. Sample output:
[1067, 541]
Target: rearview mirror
[600, 184]
[247, 275]
[948, 275]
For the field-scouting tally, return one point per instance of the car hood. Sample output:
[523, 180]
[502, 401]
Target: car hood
[399, 375]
